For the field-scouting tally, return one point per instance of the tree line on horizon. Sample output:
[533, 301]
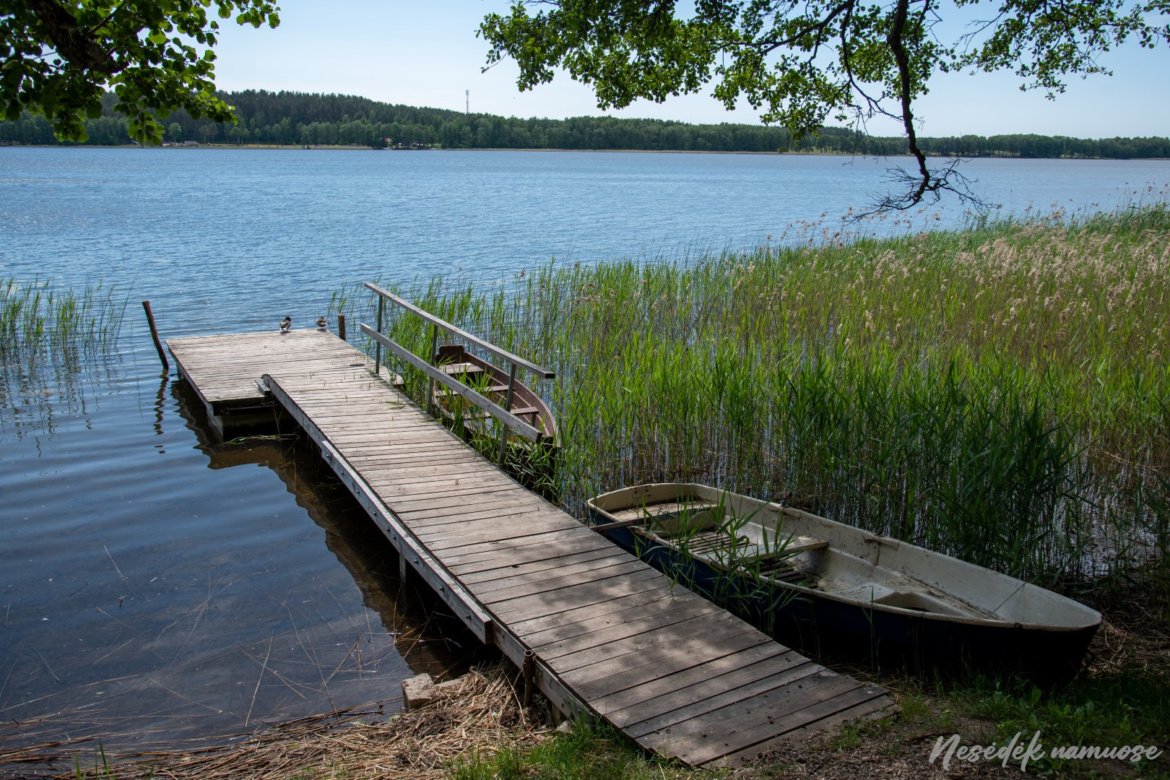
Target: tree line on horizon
[303, 119]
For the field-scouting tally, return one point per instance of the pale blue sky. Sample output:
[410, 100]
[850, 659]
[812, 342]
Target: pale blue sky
[427, 54]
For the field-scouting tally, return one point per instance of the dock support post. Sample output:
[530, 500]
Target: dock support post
[528, 672]
[341, 327]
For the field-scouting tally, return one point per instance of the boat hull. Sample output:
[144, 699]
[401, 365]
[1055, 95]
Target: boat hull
[832, 627]
[526, 404]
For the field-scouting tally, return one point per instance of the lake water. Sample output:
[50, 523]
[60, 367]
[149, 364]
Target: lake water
[157, 586]
[221, 239]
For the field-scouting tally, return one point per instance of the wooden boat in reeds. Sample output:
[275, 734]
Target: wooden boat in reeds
[838, 590]
[492, 383]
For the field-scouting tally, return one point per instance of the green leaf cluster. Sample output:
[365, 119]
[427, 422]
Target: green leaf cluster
[58, 58]
[801, 62]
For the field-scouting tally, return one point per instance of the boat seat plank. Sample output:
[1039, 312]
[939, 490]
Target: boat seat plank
[664, 509]
[519, 411]
[455, 369]
[715, 548]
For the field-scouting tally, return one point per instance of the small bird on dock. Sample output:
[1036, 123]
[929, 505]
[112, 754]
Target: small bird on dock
[285, 324]
[322, 323]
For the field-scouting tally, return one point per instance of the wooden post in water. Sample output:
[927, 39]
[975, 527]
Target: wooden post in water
[162, 355]
[341, 327]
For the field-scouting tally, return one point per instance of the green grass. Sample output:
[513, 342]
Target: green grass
[590, 752]
[999, 393]
[1104, 712]
[1108, 711]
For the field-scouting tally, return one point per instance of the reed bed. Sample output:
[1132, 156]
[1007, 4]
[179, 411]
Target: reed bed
[1000, 393]
[47, 337]
[36, 316]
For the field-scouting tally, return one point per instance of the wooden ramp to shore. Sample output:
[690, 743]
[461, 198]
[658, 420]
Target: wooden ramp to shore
[601, 631]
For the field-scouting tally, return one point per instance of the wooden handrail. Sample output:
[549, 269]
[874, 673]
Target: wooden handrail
[492, 348]
[437, 375]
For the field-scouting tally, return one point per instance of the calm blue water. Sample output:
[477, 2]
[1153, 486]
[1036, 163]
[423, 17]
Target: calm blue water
[221, 239]
[158, 587]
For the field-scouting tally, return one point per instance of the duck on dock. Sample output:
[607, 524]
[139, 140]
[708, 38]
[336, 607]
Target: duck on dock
[322, 323]
[285, 324]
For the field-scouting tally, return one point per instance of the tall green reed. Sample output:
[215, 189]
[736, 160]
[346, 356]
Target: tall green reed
[999, 393]
[36, 316]
[47, 337]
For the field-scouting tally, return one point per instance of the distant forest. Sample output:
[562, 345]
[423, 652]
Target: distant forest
[294, 118]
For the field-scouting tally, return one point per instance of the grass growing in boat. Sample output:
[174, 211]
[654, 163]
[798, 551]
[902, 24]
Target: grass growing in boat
[1000, 393]
[743, 560]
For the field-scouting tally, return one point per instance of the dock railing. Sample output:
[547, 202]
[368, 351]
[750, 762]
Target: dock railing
[435, 374]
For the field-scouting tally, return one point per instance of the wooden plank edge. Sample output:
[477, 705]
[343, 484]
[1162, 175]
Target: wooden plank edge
[875, 708]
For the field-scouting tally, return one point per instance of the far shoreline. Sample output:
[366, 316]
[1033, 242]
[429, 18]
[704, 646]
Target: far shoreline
[358, 148]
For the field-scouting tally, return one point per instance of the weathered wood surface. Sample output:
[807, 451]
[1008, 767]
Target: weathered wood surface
[611, 635]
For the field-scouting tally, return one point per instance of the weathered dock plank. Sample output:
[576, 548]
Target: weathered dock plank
[611, 635]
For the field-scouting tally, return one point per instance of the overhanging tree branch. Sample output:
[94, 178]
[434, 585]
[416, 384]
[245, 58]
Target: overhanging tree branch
[71, 42]
[772, 53]
[60, 58]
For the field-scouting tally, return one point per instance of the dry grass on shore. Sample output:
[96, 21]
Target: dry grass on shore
[475, 718]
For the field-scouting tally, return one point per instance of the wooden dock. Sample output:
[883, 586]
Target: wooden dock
[601, 632]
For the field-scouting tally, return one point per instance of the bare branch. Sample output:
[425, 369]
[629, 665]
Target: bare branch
[949, 179]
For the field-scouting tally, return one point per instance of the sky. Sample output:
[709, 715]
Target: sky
[428, 54]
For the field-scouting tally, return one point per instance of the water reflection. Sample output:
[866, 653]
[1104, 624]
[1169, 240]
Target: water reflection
[159, 589]
[160, 403]
[37, 386]
[426, 634]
